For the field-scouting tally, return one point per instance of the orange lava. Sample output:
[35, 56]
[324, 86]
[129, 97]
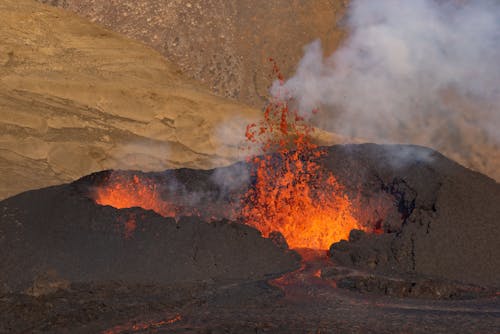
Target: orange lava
[142, 326]
[120, 192]
[292, 193]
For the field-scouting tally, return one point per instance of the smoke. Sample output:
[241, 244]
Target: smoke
[230, 141]
[424, 72]
[232, 178]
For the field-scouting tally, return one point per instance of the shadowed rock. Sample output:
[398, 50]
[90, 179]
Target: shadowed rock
[437, 218]
[448, 218]
[57, 230]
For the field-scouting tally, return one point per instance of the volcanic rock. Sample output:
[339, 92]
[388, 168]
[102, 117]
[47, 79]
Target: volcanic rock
[448, 219]
[432, 217]
[59, 232]
[403, 286]
[429, 215]
[278, 239]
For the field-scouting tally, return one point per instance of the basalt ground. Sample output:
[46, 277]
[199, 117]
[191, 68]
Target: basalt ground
[71, 266]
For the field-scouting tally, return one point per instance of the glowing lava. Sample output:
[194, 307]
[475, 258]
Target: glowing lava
[292, 194]
[121, 192]
[141, 326]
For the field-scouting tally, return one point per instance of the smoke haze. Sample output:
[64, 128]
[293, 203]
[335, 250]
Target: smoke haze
[424, 72]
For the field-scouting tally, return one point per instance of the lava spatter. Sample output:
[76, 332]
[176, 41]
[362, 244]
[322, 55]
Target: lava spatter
[292, 193]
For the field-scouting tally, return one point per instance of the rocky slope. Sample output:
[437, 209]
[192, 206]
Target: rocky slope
[227, 44]
[446, 224]
[65, 237]
[76, 98]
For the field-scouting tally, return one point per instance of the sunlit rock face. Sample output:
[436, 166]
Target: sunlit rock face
[234, 41]
[75, 98]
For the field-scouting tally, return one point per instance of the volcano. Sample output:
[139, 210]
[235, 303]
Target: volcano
[430, 220]
[296, 237]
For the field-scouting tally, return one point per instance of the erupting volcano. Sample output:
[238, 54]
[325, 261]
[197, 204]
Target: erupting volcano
[141, 201]
[291, 193]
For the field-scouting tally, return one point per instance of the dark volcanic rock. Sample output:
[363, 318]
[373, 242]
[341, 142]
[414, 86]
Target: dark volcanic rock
[433, 218]
[449, 216]
[278, 239]
[59, 231]
[413, 286]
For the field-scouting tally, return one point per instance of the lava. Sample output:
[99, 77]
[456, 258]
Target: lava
[303, 281]
[292, 193]
[121, 192]
[142, 326]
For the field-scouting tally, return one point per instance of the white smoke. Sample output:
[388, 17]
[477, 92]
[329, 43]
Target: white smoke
[399, 74]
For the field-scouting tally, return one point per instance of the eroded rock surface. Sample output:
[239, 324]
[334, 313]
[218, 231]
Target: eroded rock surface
[76, 98]
[224, 44]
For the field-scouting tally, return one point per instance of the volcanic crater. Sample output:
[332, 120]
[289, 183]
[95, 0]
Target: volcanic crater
[296, 238]
[426, 229]
[431, 217]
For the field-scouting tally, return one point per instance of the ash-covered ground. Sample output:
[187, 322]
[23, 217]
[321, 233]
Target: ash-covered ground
[71, 265]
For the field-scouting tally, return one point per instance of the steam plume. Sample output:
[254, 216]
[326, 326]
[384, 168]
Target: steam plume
[424, 72]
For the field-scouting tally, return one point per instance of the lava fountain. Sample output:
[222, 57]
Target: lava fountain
[291, 193]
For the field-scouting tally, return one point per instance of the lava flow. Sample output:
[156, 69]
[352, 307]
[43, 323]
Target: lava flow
[142, 326]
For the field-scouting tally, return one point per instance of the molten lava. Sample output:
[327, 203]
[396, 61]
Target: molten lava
[120, 193]
[292, 194]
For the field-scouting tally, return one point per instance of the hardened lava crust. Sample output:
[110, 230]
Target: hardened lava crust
[70, 264]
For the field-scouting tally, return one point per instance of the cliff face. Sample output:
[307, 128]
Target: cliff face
[224, 44]
[76, 98]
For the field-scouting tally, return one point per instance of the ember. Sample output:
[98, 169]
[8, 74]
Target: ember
[292, 193]
[130, 226]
